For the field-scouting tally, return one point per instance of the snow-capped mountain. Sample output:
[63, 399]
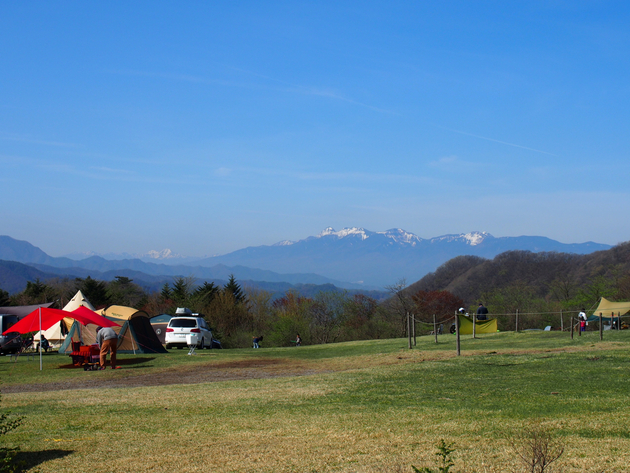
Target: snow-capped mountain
[349, 256]
[397, 235]
[151, 255]
[358, 255]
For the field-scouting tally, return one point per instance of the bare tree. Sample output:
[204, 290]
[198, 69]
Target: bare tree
[536, 448]
[399, 304]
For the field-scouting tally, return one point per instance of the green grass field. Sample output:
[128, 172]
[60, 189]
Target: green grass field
[372, 406]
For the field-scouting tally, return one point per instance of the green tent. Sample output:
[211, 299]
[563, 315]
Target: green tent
[482, 326]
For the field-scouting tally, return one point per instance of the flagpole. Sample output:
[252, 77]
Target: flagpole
[40, 339]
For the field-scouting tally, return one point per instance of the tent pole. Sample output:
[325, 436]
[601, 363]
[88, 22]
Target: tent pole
[40, 340]
[133, 345]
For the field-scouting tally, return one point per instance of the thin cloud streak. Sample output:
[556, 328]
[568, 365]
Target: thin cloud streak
[357, 176]
[496, 141]
[290, 87]
[25, 139]
[315, 91]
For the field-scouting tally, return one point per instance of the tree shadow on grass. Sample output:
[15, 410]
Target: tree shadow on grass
[33, 459]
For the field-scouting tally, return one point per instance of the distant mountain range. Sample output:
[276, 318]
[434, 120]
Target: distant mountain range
[382, 258]
[352, 258]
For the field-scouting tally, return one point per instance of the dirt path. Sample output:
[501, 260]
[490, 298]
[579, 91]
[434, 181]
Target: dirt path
[204, 373]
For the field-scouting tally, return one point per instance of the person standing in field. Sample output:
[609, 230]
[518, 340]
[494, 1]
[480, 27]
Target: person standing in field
[108, 342]
[298, 340]
[582, 317]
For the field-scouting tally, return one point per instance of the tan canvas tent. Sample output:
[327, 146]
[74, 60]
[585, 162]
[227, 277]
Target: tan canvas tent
[607, 308]
[135, 335]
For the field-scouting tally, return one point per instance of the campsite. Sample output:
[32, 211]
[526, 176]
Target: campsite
[369, 406]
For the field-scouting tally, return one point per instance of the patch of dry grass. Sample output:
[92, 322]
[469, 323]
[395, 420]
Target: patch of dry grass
[374, 412]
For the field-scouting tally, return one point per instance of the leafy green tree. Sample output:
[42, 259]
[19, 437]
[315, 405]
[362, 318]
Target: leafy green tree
[563, 289]
[290, 317]
[259, 306]
[506, 301]
[230, 320]
[589, 295]
[361, 313]
[623, 288]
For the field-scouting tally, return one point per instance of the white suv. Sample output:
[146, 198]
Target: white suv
[179, 327]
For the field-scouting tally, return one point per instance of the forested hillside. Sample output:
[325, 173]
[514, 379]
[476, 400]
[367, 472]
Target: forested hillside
[535, 281]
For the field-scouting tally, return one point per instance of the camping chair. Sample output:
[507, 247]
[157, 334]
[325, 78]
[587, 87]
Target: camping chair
[192, 339]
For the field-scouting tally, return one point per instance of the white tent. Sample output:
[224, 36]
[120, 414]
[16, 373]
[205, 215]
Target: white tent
[57, 333]
[77, 301]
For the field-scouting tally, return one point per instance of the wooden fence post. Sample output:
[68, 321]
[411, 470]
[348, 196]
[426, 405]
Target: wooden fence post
[435, 328]
[561, 322]
[413, 316]
[474, 324]
[571, 328]
[409, 330]
[459, 351]
[601, 327]
[516, 330]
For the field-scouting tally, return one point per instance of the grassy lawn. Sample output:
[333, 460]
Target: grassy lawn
[353, 407]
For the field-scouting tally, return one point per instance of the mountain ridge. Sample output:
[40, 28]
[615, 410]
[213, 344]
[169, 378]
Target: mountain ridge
[352, 258]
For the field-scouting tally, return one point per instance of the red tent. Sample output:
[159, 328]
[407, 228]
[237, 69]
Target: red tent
[82, 313]
[49, 317]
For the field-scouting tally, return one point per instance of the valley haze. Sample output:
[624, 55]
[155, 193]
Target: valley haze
[352, 257]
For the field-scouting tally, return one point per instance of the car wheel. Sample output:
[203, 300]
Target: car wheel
[167, 346]
[203, 344]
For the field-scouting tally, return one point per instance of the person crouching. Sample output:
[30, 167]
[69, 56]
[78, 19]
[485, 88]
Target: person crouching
[108, 342]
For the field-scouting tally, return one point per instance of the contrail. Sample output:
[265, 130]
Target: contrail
[497, 141]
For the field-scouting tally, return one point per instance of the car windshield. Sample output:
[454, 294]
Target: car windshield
[184, 323]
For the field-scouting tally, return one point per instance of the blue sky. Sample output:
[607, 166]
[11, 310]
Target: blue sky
[205, 127]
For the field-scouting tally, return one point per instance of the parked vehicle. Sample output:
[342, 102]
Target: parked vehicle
[12, 341]
[180, 326]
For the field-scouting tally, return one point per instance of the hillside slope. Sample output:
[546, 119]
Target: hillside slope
[469, 277]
